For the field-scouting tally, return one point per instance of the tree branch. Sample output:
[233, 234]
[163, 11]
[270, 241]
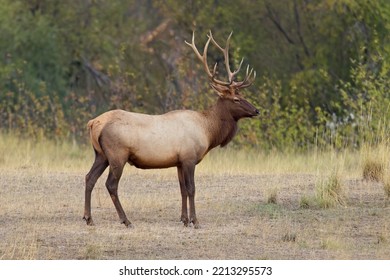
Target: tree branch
[151, 35]
[278, 25]
[99, 77]
[299, 32]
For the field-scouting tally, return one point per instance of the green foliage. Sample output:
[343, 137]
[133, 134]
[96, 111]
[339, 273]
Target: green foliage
[363, 109]
[278, 126]
[33, 49]
[26, 114]
[323, 66]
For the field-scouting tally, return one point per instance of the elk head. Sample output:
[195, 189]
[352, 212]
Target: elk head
[229, 91]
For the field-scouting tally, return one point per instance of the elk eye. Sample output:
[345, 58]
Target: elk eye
[236, 100]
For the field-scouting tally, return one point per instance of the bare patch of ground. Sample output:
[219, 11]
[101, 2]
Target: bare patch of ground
[41, 218]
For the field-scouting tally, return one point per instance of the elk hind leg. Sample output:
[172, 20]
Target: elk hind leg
[112, 187]
[100, 164]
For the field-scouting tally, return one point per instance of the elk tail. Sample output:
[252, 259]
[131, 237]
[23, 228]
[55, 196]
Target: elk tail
[94, 129]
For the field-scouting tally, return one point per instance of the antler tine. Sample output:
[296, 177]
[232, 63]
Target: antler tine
[232, 75]
[247, 74]
[247, 81]
[210, 35]
[225, 52]
[203, 58]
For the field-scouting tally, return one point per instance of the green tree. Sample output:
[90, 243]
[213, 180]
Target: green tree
[65, 61]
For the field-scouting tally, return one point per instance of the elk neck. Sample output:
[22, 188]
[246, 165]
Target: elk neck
[220, 124]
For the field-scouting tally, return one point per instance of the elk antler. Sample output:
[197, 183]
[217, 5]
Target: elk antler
[246, 82]
[225, 52]
[203, 58]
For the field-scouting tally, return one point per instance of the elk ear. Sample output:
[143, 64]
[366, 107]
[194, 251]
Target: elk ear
[221, 90]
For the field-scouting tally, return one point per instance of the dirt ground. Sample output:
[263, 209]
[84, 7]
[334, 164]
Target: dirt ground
[41, 218]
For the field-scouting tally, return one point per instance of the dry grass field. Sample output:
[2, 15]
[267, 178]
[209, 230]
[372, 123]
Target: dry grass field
[251, 206]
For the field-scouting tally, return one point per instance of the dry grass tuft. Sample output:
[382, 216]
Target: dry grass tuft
[331, 243]
[373, 170]
[330, 192]
[374, 159]
[305, 202]
[386, 186]
[272, 196]
[93, 252]
[375, 166]
[289, 237]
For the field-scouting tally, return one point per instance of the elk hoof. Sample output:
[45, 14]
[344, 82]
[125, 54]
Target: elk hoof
[196, 225]
[128, 224]
[89, 221]
[184, 220]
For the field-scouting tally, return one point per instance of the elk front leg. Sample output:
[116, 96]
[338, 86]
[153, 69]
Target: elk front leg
[100, 164]
[184, 195]
[112, 187]
[193, 218]
[189, 173]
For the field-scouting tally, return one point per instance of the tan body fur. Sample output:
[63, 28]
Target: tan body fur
[152, 141]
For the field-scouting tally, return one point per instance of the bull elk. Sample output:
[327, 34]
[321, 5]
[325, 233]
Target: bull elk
[178, 138]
